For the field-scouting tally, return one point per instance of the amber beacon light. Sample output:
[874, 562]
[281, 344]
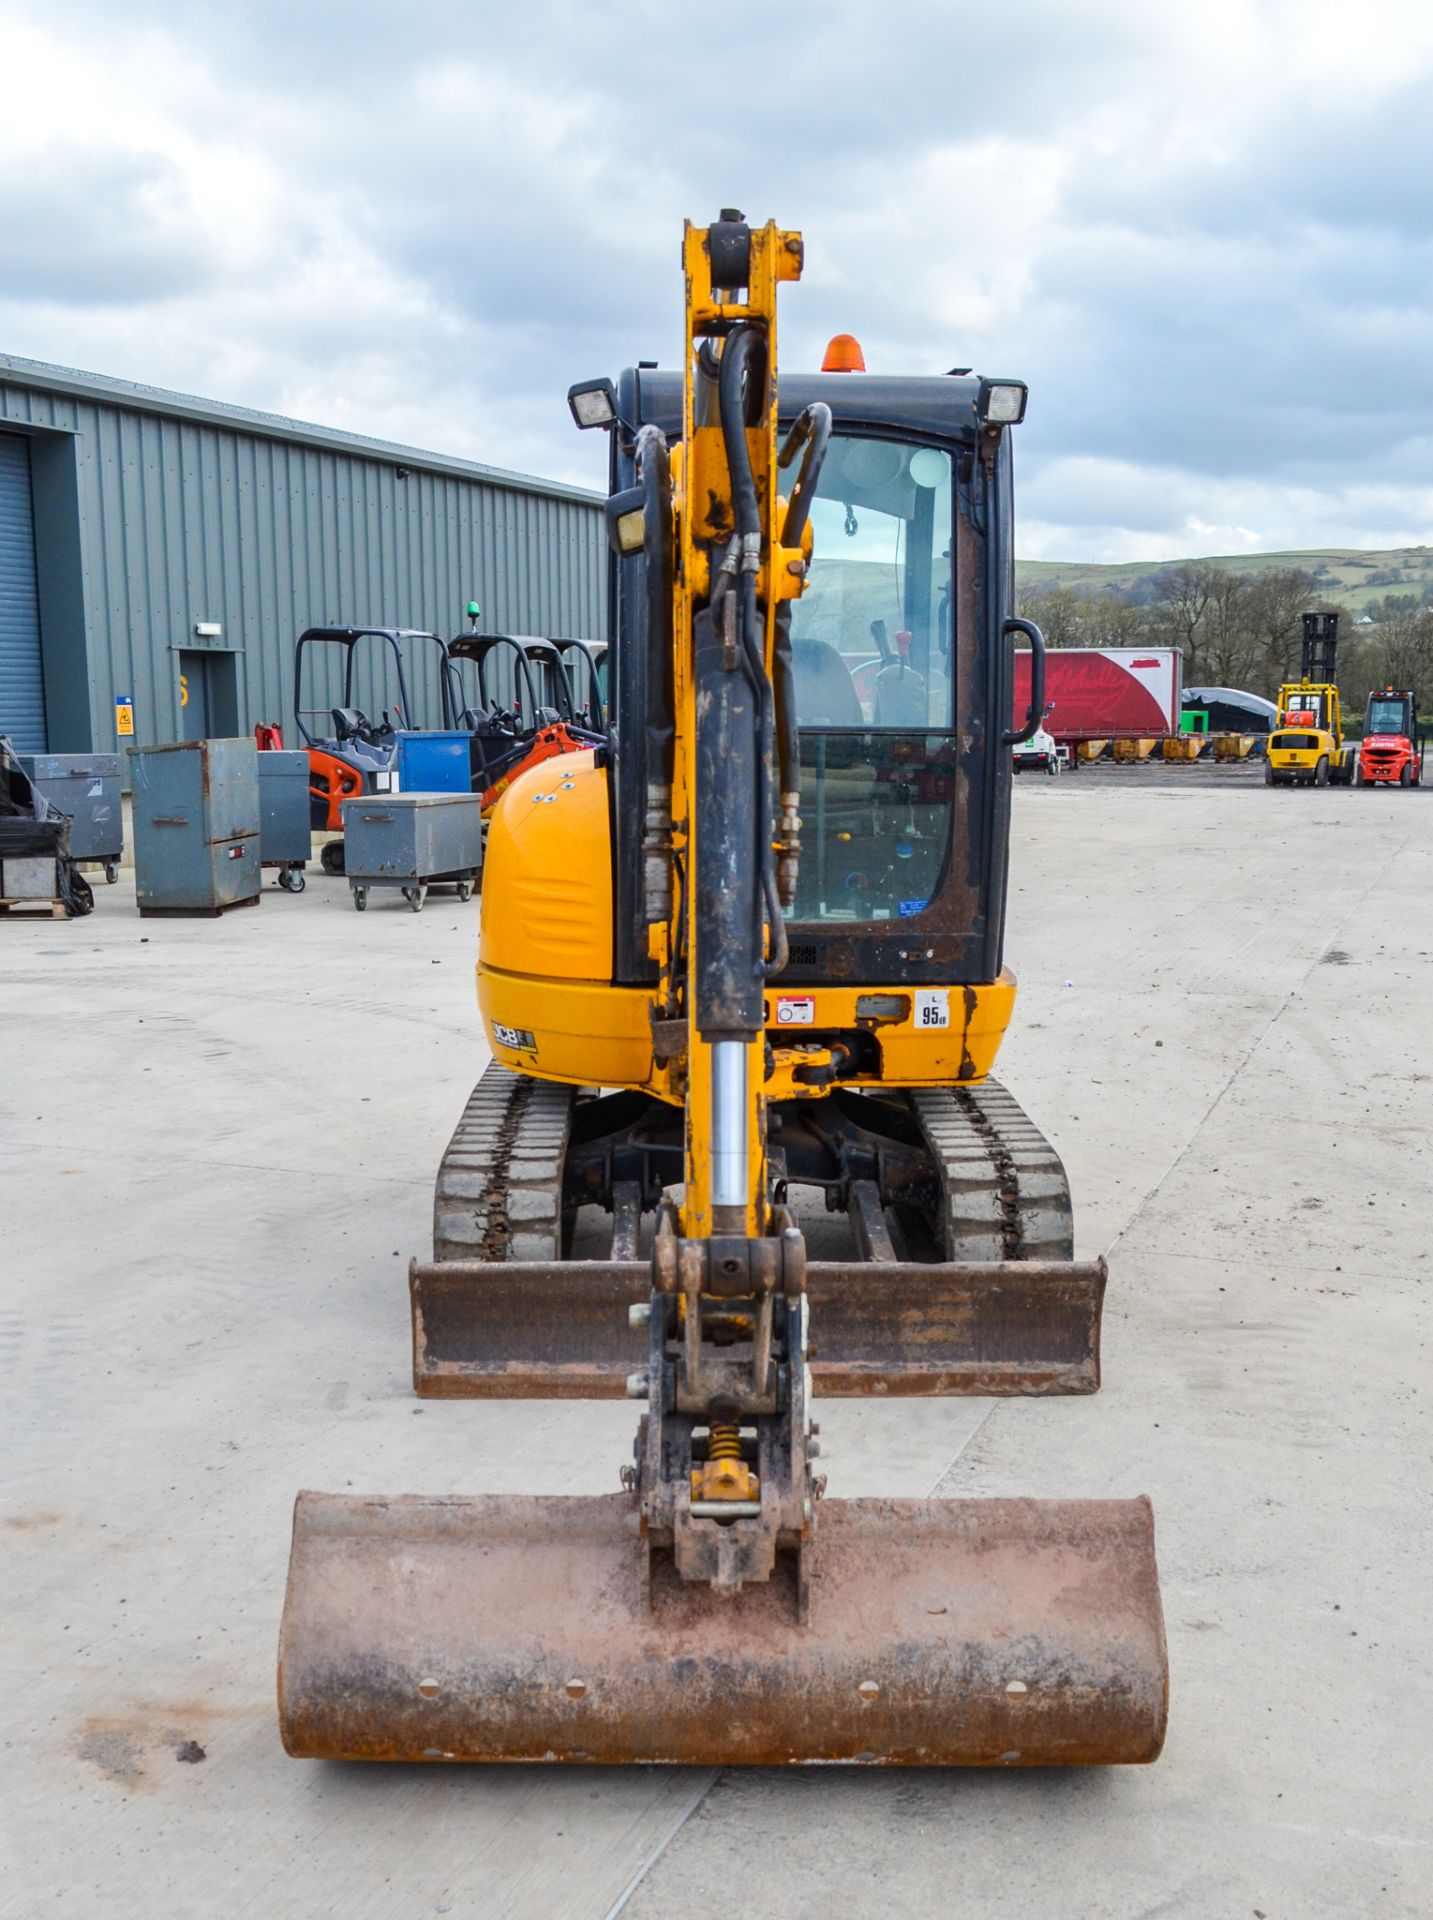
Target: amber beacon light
[843, 355]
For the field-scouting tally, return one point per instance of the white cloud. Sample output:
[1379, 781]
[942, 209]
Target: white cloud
[1204, 235]
[1164, 513]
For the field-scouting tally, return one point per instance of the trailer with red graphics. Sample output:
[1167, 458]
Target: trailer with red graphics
[1390, 753]
[1106, 693]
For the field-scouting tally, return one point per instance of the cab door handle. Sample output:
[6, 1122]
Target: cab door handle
[1017, 736]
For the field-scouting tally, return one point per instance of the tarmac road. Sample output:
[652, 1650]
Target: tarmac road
[217, 1143]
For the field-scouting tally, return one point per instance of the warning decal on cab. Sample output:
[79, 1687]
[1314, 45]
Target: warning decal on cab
[933, 1007]
[796, 1011]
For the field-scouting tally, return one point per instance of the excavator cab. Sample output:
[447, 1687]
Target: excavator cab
[1393, 713]
[900, 675]
[741, 970]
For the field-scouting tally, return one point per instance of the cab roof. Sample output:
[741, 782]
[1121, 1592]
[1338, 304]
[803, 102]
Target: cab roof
[939, 404]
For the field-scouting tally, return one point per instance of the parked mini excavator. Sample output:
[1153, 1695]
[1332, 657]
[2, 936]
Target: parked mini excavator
[357, 756]
[770, 922]
[524, 706]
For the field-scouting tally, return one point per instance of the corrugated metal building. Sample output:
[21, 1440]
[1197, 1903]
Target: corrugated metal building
[167, 551]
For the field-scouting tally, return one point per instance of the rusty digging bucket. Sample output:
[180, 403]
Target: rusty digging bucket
[559, 1329]
[1010, 1633]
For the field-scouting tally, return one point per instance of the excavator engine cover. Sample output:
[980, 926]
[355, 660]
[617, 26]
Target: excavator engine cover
[940, 1633]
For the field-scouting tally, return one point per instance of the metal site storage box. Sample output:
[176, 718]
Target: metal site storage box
[285, 832]
[86, 786]
[434, 762]
[196, 826]
[409, 840]
[32, 853]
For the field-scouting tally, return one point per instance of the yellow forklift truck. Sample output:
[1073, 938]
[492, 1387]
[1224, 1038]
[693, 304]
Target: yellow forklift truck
[767, 916]
[1307, 747]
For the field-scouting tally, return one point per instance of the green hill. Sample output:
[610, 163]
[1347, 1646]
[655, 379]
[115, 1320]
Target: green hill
[1355, 578]
[845, 595]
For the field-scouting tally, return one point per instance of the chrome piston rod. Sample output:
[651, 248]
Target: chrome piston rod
[731, 1175]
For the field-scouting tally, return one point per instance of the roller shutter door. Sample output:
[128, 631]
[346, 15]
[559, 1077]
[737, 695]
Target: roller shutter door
[22, 687]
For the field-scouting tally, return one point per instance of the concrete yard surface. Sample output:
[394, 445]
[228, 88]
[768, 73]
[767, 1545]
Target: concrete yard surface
[217, 1147]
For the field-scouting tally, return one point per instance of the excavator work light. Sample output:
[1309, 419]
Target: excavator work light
[1001, 403]
[627, 520]
[593, 403]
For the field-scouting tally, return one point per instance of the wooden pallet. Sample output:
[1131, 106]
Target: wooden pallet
[55, 909]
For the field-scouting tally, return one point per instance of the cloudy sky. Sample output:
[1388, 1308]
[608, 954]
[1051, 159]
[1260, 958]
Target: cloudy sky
[1203, 233]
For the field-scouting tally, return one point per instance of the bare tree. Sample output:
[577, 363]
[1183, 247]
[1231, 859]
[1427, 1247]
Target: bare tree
[1121, 622]
[1401, 653]
[1070, 618]
[1058, 612]
[1227, 648]
[1243, 629]
[1178, 604]
[1277, 601]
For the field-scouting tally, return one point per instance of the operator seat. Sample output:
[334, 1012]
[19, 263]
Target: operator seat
[825, 692]
[354, 735]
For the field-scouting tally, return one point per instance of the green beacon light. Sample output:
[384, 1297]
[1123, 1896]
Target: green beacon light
[475, 613]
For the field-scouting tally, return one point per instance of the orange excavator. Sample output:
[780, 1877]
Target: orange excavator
[767, 918]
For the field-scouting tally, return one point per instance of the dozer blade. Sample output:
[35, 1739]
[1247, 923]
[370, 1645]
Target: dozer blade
[559, 1329]
[941, 1633]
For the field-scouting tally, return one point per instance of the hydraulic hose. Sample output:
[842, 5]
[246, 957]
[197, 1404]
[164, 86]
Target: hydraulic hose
[655, 476]
[788, 761]
[788, 736]
[732, 389]
[812, 431]
[746, 512]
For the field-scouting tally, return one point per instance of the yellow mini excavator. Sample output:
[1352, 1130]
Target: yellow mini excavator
[766, 916]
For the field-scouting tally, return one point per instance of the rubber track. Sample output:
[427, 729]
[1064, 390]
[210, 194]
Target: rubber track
[499, 1187]
[499, 1190]
[1006, 1195]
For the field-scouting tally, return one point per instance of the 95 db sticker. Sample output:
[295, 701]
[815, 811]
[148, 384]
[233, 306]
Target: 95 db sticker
[796, 1011]
[517, 1038]
[933, 1007]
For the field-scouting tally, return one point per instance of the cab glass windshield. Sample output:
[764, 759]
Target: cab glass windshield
[1387, 716]
[871, 649]
[871, 633]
